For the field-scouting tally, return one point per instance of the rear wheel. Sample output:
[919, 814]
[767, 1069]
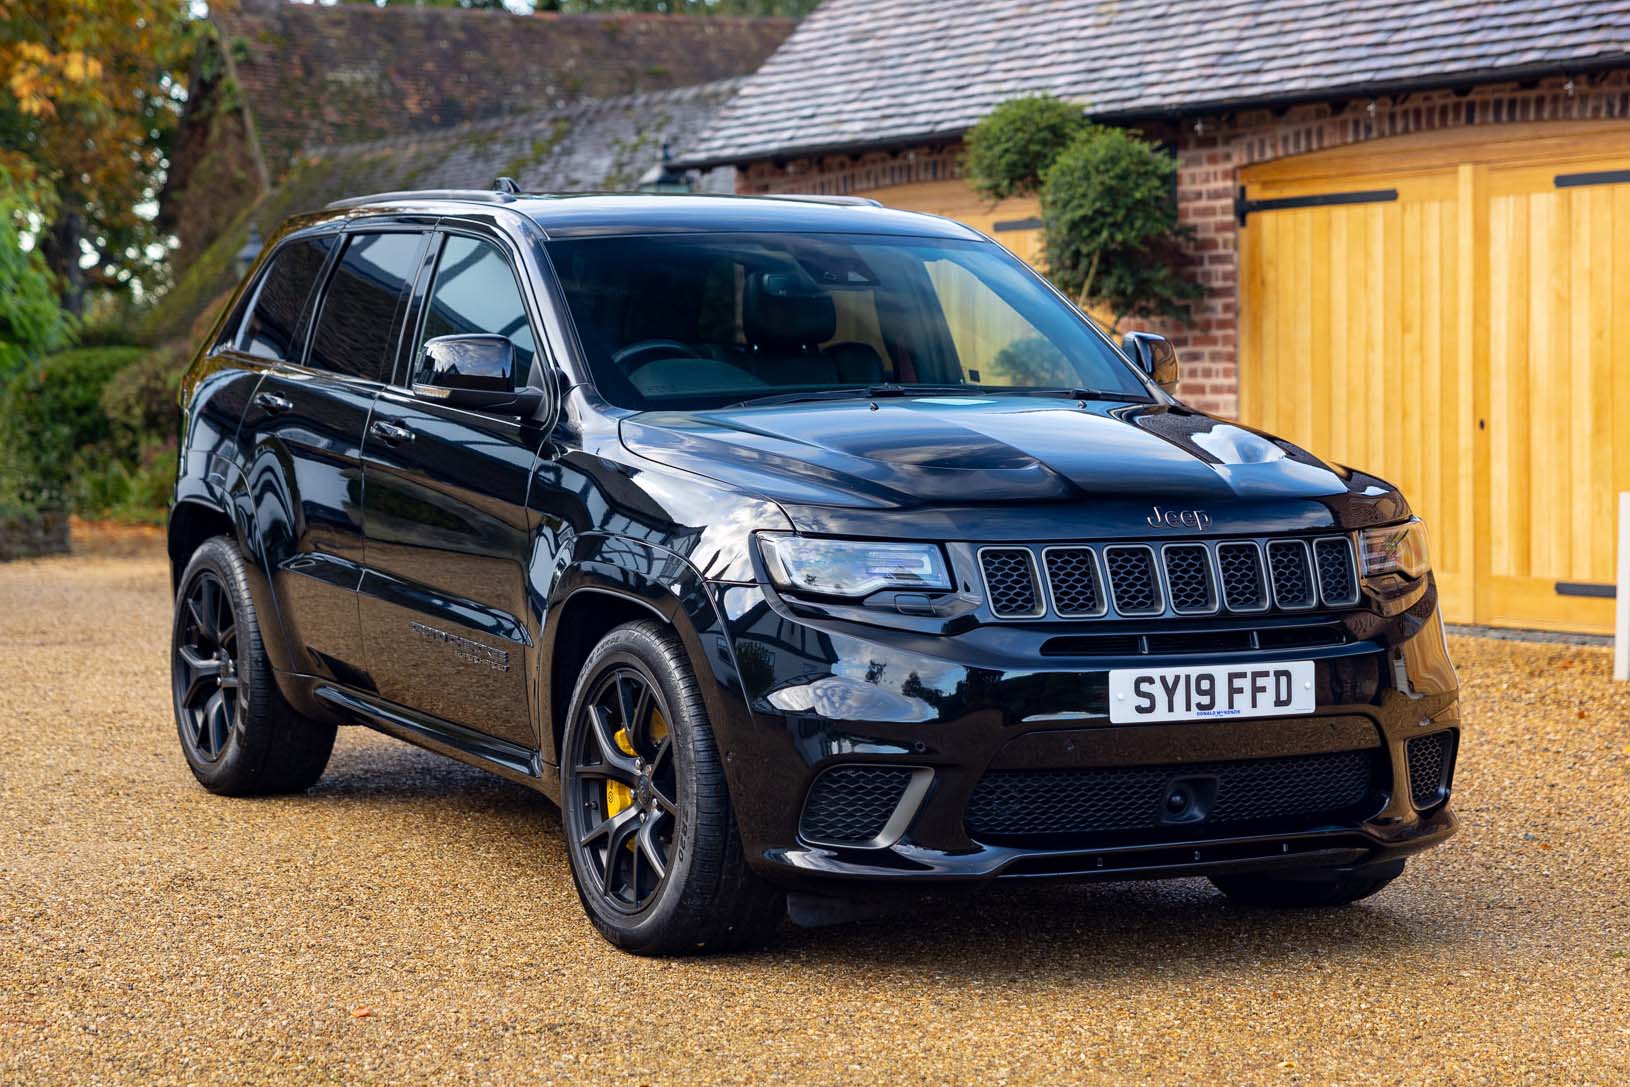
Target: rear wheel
[239, 736]
[650, 831]
[1308, 890]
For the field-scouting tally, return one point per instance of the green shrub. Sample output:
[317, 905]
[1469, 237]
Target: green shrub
[1008, 151]
[31, 320]
[135, 490]
[1112, 235]
[50, 414]
[140, 400]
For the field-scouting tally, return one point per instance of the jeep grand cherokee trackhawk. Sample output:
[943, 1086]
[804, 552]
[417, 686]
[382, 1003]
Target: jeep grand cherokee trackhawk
[799, 549]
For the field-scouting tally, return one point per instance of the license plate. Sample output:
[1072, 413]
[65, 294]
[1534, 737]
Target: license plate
[1280, 689]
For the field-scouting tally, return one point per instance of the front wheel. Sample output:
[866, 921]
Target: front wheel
[649, 828]
[1308, 890]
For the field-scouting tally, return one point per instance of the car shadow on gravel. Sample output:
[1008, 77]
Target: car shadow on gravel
[1169, 929]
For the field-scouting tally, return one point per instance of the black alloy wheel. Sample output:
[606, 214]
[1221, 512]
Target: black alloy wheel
[209, 691]
[650, 832]
[625, 788]
[239, 735]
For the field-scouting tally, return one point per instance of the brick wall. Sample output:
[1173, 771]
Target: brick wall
[1210, 153]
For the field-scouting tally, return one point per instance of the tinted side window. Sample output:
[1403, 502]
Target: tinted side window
[475, 291]
[275, 320]
[353, 334]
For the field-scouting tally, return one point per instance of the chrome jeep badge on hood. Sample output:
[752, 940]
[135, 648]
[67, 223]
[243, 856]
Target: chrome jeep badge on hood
[1199, 520]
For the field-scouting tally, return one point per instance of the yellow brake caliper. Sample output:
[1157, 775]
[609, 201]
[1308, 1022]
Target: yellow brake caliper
[618, 795]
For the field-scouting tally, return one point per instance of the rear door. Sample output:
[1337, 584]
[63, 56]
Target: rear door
[444, 599]
[305, 425]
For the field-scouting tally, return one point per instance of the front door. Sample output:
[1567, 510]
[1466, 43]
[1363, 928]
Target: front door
[444, 597]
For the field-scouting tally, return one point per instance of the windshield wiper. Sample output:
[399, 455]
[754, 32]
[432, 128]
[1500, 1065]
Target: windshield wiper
[851, 392]
[870, 392]
[1060, 391]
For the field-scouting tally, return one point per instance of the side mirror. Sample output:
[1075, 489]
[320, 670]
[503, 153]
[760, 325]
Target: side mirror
[1154, 355]
[474, 372]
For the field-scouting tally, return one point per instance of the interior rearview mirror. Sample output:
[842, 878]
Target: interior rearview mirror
[474, 372]
[1155, 356]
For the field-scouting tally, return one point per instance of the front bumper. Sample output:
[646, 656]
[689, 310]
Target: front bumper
[946, 710]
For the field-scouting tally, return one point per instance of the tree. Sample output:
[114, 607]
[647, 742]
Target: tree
[1112, 235]
[793, 8]
[31, 323]
[92, 92]
[1108, 204]
[1008, 150]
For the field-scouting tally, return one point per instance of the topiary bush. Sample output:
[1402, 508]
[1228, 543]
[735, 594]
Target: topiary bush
[1112, 235]
[1008, 151]
[1108, 207]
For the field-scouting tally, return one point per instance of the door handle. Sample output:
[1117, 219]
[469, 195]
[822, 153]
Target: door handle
[274, 404]
[390, 433]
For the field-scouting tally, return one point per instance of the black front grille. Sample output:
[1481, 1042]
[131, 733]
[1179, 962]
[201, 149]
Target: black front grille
[1431, 764]
[852, 804]
[1292, 577]
[1338, 583]
[1168, 578]
[1241, 566]
[1028, 803]
[1010, 580]
[1072, 576]
[1188, 578]
[1133, 583]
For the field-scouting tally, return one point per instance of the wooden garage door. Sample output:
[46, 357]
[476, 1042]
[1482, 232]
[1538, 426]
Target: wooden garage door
[1461, 327]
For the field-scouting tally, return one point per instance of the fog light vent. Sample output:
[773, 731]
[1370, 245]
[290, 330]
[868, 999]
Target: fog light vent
[1431, 767]
[851, 805]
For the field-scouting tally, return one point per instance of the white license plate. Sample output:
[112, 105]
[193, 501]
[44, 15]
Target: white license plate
[1192, 694]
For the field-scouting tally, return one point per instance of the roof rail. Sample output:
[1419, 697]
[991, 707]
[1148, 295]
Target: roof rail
[816, 198]
[483, 196]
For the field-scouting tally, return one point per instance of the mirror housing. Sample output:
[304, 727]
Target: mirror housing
[473, 372]
[1155, 356]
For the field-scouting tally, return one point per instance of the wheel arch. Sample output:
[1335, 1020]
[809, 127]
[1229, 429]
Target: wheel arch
[609, 586]
[193, 521]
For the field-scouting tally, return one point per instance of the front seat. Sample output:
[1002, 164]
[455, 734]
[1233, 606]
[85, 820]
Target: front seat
[786, 320]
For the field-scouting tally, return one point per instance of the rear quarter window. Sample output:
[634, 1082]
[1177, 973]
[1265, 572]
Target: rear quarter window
[273, 326]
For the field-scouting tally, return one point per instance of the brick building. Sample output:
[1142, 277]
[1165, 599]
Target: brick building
[1407, 219]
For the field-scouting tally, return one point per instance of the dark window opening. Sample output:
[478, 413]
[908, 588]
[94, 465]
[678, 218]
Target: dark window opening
[354, 331]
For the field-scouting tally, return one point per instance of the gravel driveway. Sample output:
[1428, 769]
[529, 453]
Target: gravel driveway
[412, 921]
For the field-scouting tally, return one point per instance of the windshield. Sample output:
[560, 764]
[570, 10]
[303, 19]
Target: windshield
[710, 320]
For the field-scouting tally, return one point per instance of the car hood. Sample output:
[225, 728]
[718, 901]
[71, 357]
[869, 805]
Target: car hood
[898, 454]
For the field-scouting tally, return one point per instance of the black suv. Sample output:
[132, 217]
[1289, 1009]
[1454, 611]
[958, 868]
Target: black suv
[799, 549]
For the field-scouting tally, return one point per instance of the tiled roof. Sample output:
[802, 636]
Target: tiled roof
[872, 72]
[314, 75]
[594, 145]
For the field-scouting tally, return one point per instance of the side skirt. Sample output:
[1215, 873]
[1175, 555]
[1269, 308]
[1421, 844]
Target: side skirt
[507, 760]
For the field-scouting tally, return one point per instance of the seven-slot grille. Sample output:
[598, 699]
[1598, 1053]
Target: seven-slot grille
[1145, 580]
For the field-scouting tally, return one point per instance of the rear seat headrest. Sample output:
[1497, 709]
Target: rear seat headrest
[781, 310]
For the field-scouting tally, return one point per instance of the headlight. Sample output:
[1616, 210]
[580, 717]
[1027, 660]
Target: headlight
[851, 567]
[1399, 549]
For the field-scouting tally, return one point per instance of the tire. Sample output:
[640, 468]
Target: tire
[1308, 890]
[239, 736]
[650, 830]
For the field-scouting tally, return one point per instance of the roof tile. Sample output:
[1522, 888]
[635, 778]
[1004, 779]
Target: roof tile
[862, 72]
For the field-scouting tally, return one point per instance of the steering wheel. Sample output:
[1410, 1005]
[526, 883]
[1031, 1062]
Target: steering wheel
[634, 356]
